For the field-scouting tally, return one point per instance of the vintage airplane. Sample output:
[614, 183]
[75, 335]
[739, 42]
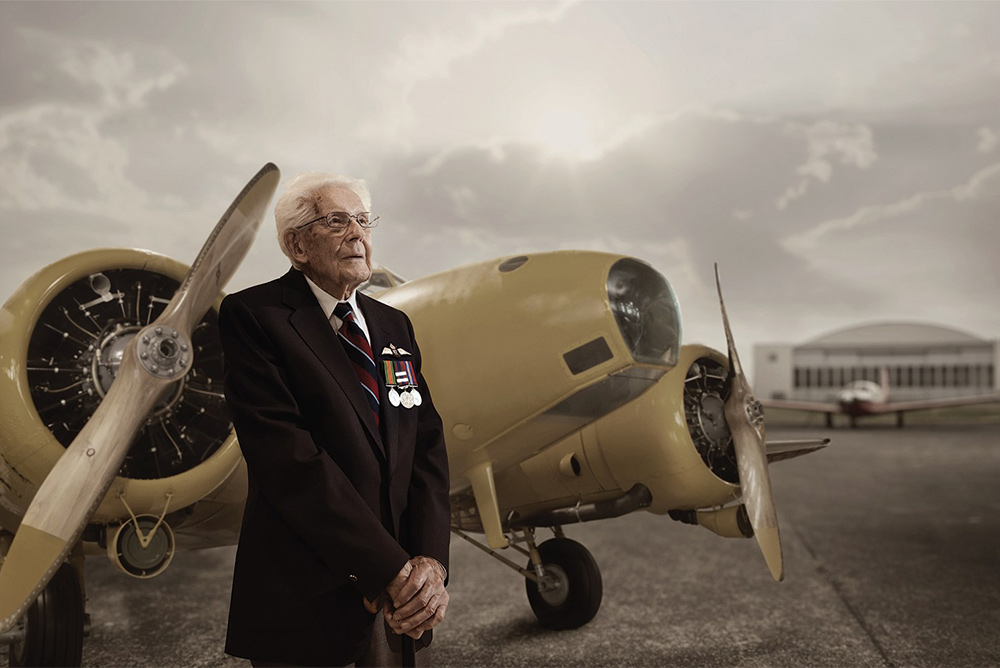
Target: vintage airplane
[573, 400]
[862, 398]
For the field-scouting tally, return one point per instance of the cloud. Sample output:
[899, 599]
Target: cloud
[428, 54]
[689, 190]
[989, 140]
[59, 155]
[931, 256]
[826, 140]
[984, 182]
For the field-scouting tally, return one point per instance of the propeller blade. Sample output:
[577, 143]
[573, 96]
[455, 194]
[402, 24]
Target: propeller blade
[746, 423]
[223, 251]
[158, 356]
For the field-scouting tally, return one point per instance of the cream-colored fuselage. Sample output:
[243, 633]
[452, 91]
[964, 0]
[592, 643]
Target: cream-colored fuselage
[541, 395]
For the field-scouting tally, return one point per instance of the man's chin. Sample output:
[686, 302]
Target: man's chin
[360, 277]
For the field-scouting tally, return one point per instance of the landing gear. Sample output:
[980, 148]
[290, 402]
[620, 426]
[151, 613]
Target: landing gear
[51, 631]
[568, 591]
[562, 578]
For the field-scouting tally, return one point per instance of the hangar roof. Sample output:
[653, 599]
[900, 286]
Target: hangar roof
[895, 333]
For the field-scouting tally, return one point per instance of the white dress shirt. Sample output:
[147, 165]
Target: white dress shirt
[328, 302]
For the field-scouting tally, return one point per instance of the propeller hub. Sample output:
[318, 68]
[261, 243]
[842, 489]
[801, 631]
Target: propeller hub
[164, 352]
[108, 359]
[755, 411]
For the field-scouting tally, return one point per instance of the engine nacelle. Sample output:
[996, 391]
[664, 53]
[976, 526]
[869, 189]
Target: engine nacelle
[672, 440]
[62, 335]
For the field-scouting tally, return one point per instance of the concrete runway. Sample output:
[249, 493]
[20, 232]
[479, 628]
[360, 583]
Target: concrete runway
[892, 558]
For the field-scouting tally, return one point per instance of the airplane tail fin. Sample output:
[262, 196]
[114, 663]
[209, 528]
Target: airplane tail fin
[883, 380]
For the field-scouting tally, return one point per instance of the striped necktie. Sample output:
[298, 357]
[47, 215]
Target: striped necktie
[360, 353]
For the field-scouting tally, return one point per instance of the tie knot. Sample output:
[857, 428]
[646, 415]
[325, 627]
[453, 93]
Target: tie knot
[344, 311]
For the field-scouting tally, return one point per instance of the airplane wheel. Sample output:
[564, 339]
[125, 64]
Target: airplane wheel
[53, 625]
[572, 595]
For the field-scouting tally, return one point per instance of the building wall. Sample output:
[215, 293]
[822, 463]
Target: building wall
[773, 371]
[922, 363]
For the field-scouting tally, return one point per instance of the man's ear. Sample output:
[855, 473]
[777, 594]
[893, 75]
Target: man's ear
[294, 246]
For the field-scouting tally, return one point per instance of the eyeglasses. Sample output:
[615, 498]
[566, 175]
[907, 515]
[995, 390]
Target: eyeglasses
[338, 221]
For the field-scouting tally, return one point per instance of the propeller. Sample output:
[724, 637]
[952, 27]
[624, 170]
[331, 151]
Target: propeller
[745, 416]
[158, 356]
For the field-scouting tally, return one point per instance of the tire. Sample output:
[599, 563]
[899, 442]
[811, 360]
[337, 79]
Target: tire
[578, 597]
[53, 625]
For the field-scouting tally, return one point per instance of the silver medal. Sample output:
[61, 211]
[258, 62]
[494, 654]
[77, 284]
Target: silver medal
[406, 399]
[417, 399]
[393, 397]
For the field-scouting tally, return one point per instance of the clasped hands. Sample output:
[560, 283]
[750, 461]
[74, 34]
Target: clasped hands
[416, 600]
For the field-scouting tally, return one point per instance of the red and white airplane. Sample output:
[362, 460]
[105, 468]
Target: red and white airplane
[861, 398]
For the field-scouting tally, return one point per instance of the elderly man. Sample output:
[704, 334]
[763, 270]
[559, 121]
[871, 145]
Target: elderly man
[347, 511]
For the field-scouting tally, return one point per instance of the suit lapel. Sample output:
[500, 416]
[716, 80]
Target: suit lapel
[309, 322]
[381, 337]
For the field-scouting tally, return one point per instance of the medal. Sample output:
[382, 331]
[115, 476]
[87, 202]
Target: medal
[400, 379]
[406, 399]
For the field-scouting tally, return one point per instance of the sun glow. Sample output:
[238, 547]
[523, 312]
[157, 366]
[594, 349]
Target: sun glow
[565, 133]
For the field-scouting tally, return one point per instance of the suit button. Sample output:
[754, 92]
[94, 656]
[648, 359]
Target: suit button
[352, 578]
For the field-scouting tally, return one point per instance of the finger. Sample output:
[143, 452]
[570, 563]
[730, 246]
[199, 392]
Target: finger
[420, 601]
[387, 612]
[414, 584]
[421, 615]
[431, 621]
[394, 587]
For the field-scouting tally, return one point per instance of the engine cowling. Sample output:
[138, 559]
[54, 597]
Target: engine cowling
[62, 334]
[672, 441]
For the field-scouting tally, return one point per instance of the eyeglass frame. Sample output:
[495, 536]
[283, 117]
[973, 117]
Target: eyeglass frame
[326, 218]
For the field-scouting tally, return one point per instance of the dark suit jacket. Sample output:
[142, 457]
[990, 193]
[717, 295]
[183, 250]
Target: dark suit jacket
[336, 505]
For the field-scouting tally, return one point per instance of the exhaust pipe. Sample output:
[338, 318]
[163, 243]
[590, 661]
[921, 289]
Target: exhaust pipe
[634, 499]
[730, 522]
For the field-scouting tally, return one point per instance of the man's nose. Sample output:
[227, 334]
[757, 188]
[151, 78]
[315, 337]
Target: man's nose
[354, 229]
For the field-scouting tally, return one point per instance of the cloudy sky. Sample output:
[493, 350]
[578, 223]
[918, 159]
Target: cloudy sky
[841, 162]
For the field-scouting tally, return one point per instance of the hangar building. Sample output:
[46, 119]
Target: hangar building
[923, 362]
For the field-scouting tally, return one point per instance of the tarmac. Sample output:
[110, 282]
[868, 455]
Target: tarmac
[892, 558]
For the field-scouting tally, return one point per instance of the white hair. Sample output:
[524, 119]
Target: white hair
[300, 202]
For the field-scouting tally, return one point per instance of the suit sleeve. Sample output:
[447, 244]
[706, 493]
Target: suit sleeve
[428, 507]
[296, 477]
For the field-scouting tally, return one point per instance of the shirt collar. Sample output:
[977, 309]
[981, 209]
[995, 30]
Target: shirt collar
[328, 302]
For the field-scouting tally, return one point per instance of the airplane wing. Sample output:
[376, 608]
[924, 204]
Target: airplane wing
[780, 450]
[815, 406]
[927, 404]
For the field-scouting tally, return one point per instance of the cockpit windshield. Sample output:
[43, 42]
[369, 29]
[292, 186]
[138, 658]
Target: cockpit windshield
[381, 280]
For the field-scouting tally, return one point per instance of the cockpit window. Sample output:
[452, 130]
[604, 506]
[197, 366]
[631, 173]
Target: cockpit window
[381, 279]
